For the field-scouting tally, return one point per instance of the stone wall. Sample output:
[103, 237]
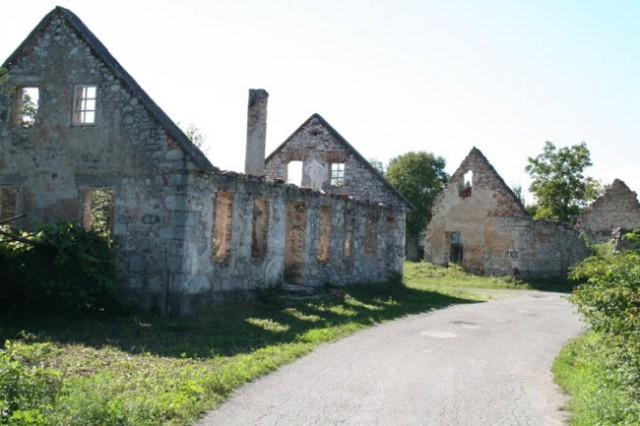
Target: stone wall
[183, 269]
[185, 233]
[617, 208]
[478, 222]
[54, 160]
[318, 145]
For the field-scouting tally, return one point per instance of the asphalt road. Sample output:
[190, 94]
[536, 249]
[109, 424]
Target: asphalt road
[479, 364]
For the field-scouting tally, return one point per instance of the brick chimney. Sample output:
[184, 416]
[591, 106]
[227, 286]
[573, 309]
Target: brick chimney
[256, 132]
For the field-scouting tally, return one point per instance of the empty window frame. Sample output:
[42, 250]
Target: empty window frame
[336, 174]
[324, 237]
[222, 219]
[294, 172]
[97, 210]
[260, 230]
[25, 106]
[467, 183]
[84, 101]
[8, 202]
[455, 249]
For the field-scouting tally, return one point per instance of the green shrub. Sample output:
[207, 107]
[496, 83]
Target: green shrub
[64, 269]
[27, 387]
[609, 299]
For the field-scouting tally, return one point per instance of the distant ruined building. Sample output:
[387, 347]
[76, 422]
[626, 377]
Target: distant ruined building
[187, 233]
[618, 208]
[480, 224]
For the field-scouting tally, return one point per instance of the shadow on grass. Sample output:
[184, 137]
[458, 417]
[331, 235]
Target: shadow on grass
[557, 285]
[232, 328]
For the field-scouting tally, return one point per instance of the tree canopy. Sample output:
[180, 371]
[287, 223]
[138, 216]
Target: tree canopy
[559, 184]
[4, 77]
[420, 177]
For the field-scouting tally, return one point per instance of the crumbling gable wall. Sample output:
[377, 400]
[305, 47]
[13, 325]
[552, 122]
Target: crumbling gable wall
[57, 158]
[479, 223]
[319, 146]
[617, 208]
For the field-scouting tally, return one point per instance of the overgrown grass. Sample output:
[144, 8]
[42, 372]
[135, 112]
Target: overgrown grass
[149, 370]
[586, 369]
[146, 369]
[454, 280]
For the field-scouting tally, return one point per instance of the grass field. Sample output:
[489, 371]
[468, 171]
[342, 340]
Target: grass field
[146, 369]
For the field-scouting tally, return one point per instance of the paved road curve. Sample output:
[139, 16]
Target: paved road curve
[479, 364]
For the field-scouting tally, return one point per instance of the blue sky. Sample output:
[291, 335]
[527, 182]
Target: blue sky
[390, 76]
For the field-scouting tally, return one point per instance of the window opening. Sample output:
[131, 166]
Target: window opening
[336, 177]
[467, 182]
[8, 202]
[455, 254]
[222, 217]
[260, 229]
[26, 106]
[97, 210]
[85, 104]
[324, 239]
[468, 179]
[294, 172]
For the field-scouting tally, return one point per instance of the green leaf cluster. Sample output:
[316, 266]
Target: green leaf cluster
[63, 268]
[420, 177]
[610, 303]
[559, 184]
[4, 78]
[27, 387]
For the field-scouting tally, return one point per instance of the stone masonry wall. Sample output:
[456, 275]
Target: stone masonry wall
[184, 271]
[53, 160]
[479, 218]
[317, 146]
[164, 191]
[617, 208]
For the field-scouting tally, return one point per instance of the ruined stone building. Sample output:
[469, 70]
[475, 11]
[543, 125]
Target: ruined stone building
[479, 223]
[327, 162]
[77, 131]
[618, 208]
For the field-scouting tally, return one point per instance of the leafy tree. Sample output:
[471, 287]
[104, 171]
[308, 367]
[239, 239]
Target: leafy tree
[559, 184]
[4, 78]
[195, 134]
[420, 177]
[377, 164]
[29, 110]
[517, 191]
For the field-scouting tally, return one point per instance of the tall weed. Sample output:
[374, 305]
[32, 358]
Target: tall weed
[28, 387]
